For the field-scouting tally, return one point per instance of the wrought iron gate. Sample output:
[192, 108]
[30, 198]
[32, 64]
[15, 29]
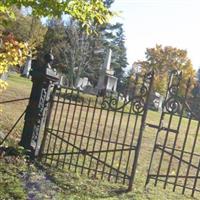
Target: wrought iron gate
[101, 135]
[95, 135]
[175, 159]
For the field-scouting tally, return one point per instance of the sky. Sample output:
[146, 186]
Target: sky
[167, 22]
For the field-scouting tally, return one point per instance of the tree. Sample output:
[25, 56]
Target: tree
[78, 54]
[88, 12]
[163, 60]
[12, 53]
[72, 48]
[27, 28]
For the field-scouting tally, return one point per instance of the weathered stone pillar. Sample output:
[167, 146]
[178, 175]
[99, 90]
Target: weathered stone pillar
[43, 79]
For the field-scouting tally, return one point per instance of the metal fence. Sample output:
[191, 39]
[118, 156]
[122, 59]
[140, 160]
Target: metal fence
[101, 136]
[175, 159]
[17, 121]
[96, 135]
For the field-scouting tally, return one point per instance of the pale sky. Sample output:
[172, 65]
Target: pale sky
[168, 22]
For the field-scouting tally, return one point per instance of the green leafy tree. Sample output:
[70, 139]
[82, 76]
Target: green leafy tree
[78, 54]
[88, 12]
[71, 48]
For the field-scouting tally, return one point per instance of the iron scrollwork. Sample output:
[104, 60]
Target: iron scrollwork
[172, 103]
[137, 101]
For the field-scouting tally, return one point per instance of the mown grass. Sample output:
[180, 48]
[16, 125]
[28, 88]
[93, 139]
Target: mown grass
[74, 186]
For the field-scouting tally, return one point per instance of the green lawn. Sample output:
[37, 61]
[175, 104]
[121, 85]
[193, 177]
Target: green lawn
[72, 185]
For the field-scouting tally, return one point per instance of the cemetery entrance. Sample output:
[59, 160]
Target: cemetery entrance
[175, 161]
[101, 135]
[97, 135]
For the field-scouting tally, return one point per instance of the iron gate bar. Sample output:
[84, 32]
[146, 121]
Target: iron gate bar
[110, 136]
[93, 152]
[152, 156]
[101, 144]
[117, 138]
[52, 130]
[14, 100]
[92, 169]
[69, 136]
[124, 140]
[162, 153]
[99, 108]
[96, 135]
[181, 186]
[15, 124]
[72, 122]
[161, 128]
[139, 141]
[191, 154]
[65, 125]
[59, 120]
[134, 129]
[87, 153]
[133, 148]
[195, 181]
[83, 133]
[166, 147]
[129, 155]
[178, 128]
[90, 131]
[174, 176]
[183, 149]
[177, 157]
[80, 113]
[175, 105]
[93, 128]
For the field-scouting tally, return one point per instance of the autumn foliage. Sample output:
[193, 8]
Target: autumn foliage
[12, 53]
[163, 60]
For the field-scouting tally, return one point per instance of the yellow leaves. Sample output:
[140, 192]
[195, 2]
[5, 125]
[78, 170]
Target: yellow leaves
[6, 10]
[88, 12]
[12, 53]
[3, 85]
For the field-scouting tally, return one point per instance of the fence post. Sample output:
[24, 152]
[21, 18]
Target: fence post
[43, 79]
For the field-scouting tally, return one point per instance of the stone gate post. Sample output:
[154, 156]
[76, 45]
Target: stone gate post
[43, 79]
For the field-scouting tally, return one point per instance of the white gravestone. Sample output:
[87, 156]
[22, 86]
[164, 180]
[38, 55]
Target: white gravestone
[27, 67]
[106, 79]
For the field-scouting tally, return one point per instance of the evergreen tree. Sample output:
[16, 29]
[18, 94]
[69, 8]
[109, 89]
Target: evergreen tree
[78, 54]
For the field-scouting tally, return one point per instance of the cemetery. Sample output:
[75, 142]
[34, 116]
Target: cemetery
[76, 122]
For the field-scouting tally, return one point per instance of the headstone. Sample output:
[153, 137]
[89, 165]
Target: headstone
[108, 60]
[83, 82]
[161, 99]
[4, 76]
[62, 80]
[27, 67]
[111, 83]
[106, 79]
